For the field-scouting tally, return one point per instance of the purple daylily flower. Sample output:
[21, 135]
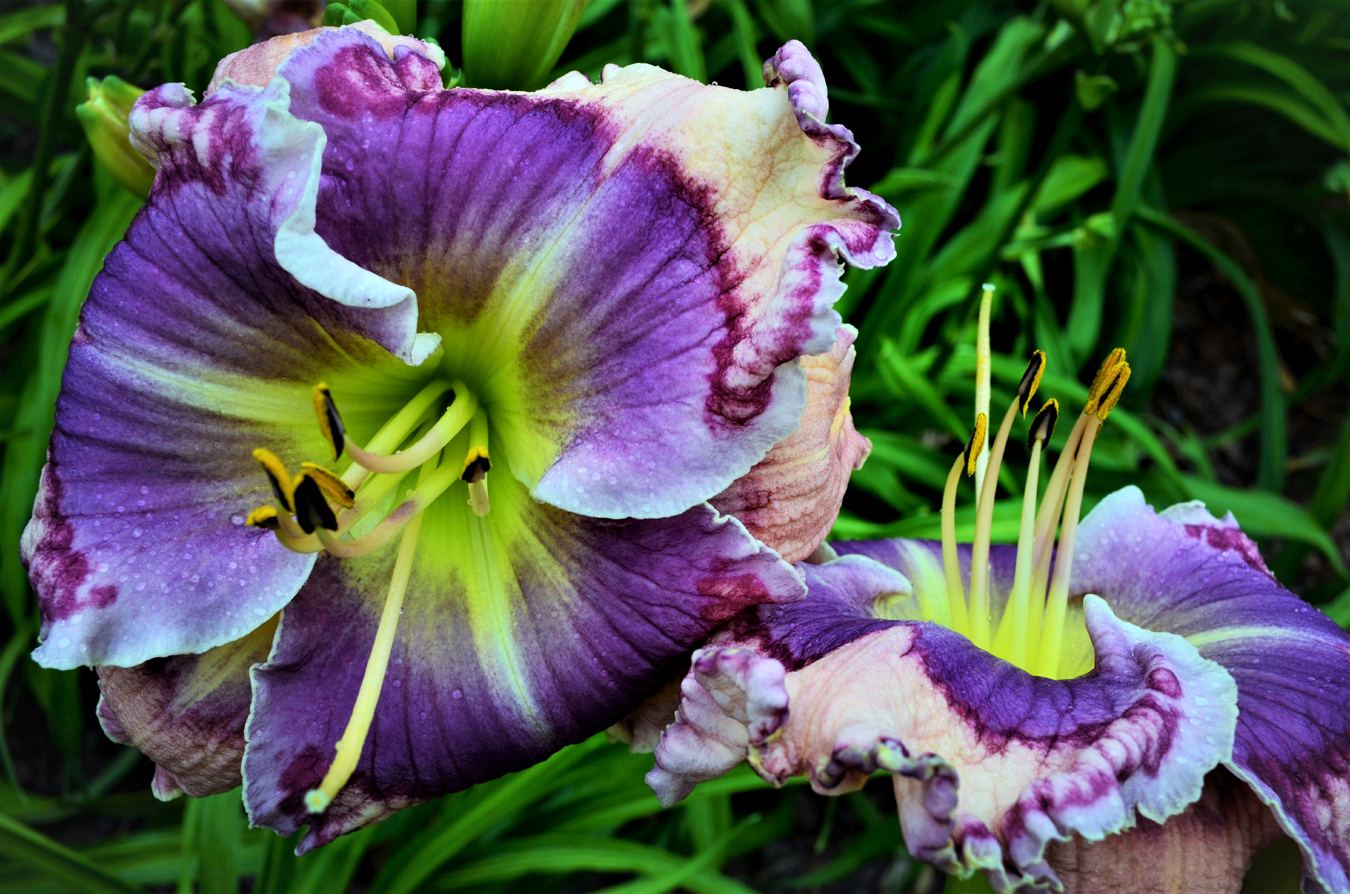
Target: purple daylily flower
[593, 298]
[1177, 680]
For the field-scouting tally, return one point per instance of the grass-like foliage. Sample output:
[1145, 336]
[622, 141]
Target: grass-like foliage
[1172, 178]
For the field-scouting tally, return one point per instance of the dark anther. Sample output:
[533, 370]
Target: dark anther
[476, 469]
[1043, 426]
[329, 419]
[311, 509]
[1031, 380]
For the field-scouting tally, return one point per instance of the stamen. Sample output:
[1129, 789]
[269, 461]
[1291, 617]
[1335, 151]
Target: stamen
[392, 433]
[1011, 640]
[330, 422]
[984, 512]
[456, 416]
[477, 464]
[1106, 390]
[956, 591]
[1057, 602]
[353, 739]
[983, 372]
[430, 486]
[277, 476]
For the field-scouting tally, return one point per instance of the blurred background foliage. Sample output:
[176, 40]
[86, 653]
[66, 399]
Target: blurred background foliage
[1170, 177]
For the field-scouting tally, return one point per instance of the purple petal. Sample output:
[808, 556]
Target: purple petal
[186, 713]
[578, 622]
[1185, 571]
[596, 246]
[194, 348]
[991, 764]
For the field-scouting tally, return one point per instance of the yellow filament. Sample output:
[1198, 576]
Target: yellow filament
[984, 521]
[457, 415]
[431, 483]
[983, 368]
[956, 591]
[392, 433]
[363, 712]
[1056, 605]
[1011, 641]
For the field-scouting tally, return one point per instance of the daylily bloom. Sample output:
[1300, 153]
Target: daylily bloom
[1143, 718]
[533, 335]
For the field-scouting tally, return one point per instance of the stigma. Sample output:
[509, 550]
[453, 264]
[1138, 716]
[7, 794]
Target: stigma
[1031, 630]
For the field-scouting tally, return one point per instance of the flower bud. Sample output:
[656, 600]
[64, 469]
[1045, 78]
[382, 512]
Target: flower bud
[514, 45]
[104, 118]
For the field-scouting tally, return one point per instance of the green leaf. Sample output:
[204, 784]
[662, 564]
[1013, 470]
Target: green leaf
[20, 24]
[57, 862]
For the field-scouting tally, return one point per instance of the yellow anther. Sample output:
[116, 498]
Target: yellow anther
[333, 486]
[1106, 373]
[975, 446]
[1043, 424]
[1031, 380]
[283, 486]
[330, 423]
[264, 517]
[1108, 402]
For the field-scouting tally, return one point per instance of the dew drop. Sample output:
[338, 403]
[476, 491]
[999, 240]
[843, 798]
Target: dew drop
[144, 489]
[458, 693]
[236, 520]
[1201, 701]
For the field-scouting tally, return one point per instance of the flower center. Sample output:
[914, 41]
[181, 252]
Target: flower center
[1034, 631]
[318, 510]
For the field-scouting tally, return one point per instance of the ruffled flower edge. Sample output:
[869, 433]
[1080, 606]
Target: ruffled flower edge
[1157, 718]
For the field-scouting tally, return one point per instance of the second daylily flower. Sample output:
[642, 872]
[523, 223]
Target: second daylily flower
[540, 331]
[1140, 711]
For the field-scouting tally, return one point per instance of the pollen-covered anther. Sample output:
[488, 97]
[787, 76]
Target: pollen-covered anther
[1108, 402]
[334, 487]
[264, 517]
[282, 484]
[1102, 381]
[330, 421]
[976, 443]
[1031, 380]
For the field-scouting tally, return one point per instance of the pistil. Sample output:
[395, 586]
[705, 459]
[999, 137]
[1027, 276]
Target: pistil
[353, 739]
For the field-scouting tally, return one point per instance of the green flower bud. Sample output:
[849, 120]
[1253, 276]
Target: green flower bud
[104, 118]
[514, 44]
